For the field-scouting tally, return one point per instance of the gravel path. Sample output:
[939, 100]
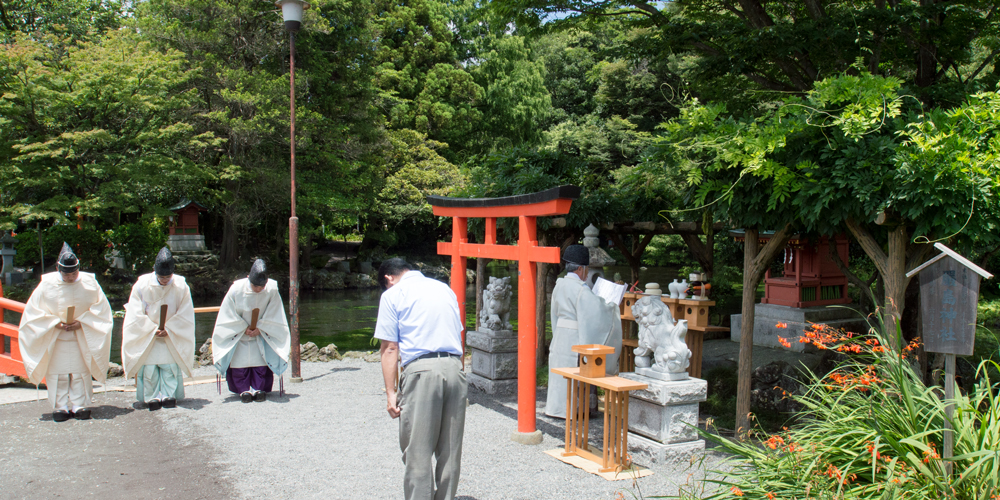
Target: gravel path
[330, 437]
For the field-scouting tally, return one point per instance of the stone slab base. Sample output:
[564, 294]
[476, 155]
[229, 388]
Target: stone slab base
[490, 341]
[495, 387]
[494, 365]
[692, 390]
[766, 316]
[667, 424]
[646, 451]
[529, 438]
[187, 243]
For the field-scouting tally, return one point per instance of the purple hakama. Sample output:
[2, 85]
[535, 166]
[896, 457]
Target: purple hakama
[240, 380]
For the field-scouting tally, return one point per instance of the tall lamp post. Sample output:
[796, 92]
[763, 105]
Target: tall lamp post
[292, 10]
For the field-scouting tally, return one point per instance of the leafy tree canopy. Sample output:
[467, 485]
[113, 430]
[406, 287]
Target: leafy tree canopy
[97, 129]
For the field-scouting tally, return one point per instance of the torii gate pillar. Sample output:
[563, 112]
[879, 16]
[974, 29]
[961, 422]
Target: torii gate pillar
[527, 253]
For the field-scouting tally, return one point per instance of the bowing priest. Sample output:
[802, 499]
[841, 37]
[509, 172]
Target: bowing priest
[158, 334]
[250, 343]
[578, 317]
[65, 336]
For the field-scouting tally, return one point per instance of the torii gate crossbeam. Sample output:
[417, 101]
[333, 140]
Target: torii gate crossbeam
[527, 208]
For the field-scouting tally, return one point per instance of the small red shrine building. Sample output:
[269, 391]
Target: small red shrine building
[810, 278]
[185, 222]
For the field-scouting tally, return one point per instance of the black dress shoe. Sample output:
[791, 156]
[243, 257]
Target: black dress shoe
[82, 414]
[154, 404]
[61, 415]
[169, 403]
[246, 397]
[260, 396]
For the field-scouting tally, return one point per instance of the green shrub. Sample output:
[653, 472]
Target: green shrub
[138, 243]
[88, 245]
[870, 429]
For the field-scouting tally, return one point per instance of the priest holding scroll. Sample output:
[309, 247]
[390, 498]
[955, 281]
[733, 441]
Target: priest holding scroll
[158, 334]
[251, 341]
[65, 336]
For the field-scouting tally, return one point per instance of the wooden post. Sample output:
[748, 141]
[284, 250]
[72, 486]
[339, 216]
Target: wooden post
[460, 235]
[527, 271]
[949, 410]
[750, 248]
[163, 316]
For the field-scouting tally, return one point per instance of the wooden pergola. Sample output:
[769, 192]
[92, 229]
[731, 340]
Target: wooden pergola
[527, 208]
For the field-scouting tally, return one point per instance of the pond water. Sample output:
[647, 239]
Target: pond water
[347, 317]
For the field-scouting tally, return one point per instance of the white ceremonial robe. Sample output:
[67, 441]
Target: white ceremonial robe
[230, 345]
[49, 352]
[578, 317]
[140, 346]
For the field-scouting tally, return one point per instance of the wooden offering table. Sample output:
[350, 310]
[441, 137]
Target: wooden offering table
[578, 381]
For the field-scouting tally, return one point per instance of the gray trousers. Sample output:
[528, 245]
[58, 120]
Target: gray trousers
[433, 396]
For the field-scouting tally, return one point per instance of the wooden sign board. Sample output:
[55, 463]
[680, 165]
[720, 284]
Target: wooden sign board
[949, 292]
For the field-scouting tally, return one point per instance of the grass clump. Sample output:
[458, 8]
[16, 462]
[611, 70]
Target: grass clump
[870, 429]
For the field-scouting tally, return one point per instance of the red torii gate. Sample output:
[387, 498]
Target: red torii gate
[527, 253]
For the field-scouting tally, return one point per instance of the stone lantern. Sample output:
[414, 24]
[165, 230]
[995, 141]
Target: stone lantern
[10, 276]
[598, 257]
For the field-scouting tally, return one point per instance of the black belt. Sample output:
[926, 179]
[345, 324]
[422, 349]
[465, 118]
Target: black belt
[436, 355]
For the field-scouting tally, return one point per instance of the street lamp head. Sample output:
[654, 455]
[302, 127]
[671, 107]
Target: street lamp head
[292, 10]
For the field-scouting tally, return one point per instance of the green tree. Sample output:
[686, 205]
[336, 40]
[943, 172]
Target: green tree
[837, 158]
[515, 98]
[745, 51]
[72, 19]
[424, 87]
[96, 130]
[244, 93]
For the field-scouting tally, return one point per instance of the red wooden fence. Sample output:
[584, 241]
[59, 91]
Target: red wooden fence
[10, 354]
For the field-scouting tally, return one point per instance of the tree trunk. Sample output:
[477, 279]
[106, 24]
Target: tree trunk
[892, 266]
[755, 262]
[229, 253]
[305, 250]
[702, 252]
[634, 254]
[543, 269]
[41, 249]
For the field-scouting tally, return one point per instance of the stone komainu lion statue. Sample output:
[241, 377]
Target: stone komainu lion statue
[496, 305]
[659, 337]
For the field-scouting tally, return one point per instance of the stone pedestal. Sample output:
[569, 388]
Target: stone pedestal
[766, 316]
[186, 243]
[494, 361]
[662, 418]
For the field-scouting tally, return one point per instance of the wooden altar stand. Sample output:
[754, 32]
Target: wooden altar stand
[578, 382]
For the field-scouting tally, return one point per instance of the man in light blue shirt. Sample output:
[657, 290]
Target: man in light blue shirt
[419, 324]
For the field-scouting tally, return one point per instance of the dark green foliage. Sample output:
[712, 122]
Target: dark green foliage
[137, 244]
[88, 245]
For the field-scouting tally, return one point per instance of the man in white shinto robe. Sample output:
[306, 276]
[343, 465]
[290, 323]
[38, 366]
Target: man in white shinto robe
[250, 357]
[159, 358]
[67, 352]
[578, 317]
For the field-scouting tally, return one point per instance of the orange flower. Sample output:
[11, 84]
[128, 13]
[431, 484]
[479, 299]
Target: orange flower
[736, 491]
[781, 325]
[774, 441]
[770, 495]
[784, 343]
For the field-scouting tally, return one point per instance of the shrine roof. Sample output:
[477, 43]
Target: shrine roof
[565, 192]
[947, 252]
[185, 203]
